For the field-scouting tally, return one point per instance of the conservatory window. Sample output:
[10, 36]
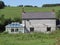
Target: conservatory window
[16, 30]
[12, 30]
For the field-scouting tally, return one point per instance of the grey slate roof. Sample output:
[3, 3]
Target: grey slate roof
[38, 15]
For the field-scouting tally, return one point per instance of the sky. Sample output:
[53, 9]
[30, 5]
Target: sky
[38, 3]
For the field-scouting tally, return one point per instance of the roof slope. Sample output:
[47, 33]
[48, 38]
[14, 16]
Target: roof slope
[38, 15]
[15, 25]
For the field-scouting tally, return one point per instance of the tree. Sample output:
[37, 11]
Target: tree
[35, 6]
[4, 22]
[2, 5]
[58, 17]
[28, 6]
[7, 21]
[50, 5]
[2, 19]
[20, 6]
[8, 6]
[17, 20]
[58, 14]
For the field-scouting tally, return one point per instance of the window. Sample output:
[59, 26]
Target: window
[16, 30]
[27, 20]
[48, 28]
[31, 29]
[12, 30]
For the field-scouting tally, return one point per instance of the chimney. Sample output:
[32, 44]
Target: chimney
[23, 11]
[53, 10]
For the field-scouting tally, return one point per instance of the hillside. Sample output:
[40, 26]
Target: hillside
[11, 12]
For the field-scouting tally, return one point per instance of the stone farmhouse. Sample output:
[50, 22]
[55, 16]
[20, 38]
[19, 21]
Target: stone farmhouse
[39, 21]
[34, 22]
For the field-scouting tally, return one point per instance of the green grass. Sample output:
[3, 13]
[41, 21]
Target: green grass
[11, 12]
[30, 39]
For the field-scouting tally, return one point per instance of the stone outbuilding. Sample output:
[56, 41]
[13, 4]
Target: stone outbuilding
[15, 27]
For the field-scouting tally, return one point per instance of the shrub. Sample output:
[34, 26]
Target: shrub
[5, 32]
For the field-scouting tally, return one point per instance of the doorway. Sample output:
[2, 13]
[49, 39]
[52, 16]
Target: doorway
[31, 29]
[48, 28]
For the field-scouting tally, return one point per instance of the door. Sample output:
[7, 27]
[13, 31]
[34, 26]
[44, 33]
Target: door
[48, 28]
[31, 29]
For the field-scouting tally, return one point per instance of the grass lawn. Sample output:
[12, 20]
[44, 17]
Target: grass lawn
[28, 42]
[30, 39]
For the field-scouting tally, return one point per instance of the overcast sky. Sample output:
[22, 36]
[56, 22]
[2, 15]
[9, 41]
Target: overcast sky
[30, 2]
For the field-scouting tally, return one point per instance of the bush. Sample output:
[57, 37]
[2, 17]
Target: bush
[5, 32]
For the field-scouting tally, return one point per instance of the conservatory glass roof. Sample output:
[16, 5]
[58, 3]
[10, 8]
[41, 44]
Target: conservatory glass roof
[15, 24]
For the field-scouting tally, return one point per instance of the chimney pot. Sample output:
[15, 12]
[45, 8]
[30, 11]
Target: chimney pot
[23, 10]
[53, 10]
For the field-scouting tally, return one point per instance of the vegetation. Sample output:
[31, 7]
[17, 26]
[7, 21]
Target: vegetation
[28, 6]
[4, 22]
[58, 14]
[30, 39]
[20, 6]
[50, 5]
[2, 5]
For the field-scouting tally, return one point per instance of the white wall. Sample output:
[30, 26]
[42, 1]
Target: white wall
[19, 30]
[41, 25]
